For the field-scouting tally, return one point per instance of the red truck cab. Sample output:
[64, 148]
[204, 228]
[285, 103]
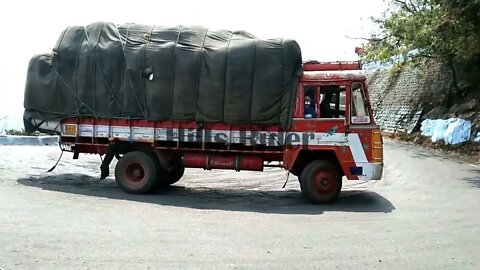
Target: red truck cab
[333, 134]
[333, 105]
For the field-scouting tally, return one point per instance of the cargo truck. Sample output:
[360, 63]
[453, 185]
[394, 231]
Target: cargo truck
[327, 133]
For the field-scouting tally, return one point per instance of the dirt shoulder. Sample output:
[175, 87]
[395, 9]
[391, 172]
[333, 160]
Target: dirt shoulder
[469, 151]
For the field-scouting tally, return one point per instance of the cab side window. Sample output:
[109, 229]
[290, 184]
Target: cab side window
[359, 109]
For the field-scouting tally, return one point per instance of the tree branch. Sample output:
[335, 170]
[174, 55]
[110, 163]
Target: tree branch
[409, 8]
[371, 39]
[424, 55]
[412, 6]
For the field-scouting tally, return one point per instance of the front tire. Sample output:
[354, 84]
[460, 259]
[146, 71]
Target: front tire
[320, 182]
[136, 172]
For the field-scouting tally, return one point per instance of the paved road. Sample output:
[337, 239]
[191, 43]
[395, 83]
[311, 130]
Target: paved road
[424, 214]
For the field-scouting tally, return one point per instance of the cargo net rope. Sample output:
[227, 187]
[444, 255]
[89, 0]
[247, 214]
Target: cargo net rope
[159, 73]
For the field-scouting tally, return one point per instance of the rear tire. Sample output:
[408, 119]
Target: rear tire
[136, 172]
[320, 182]
[167, 178]
[176, 174]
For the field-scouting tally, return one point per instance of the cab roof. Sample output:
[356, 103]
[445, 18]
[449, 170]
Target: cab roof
[346, 75]
[332, 71]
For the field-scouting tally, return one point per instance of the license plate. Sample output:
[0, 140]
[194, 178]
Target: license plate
[70, 130]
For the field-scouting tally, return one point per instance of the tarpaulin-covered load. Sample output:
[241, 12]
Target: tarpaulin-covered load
[159, 73]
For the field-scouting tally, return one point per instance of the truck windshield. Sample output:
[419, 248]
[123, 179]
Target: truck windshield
[332, 101]
[326, 101]
[359, 109]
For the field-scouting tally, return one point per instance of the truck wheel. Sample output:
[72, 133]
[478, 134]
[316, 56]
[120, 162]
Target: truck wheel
[136, 172]
[176, 174]
[320, 182]
[295, 172]
[166, 178]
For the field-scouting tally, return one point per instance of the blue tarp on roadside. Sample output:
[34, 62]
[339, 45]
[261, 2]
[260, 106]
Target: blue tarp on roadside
[452, 131]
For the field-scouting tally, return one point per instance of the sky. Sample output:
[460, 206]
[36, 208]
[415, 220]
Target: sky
[322, 28]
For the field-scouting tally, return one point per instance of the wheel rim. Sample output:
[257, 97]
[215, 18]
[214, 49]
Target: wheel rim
[324, 182]
[135, 173]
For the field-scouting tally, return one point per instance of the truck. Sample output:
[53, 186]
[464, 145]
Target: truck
[331, 134]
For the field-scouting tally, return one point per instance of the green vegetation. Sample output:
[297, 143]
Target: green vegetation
[444, 29]
[416, 31]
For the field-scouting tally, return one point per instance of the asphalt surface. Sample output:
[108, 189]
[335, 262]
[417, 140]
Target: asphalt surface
[424, 214]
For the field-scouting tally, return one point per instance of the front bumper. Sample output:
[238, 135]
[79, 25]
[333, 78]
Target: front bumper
[377, 171]
[371, 171]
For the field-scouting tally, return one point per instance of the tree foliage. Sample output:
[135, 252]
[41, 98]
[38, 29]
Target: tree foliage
[417, 30]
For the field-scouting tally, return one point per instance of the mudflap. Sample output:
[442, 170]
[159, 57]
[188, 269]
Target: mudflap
[104, 168]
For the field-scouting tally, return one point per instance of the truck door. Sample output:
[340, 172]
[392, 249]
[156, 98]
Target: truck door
[359, 109]
[365, 138]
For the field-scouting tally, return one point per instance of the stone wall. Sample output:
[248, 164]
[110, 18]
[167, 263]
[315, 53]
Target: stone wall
[401, 100]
